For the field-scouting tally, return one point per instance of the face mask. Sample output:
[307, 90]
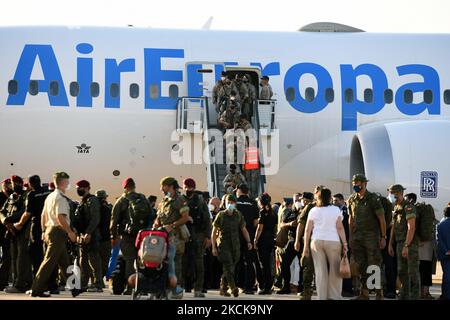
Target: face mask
[80, 192]
[298, 205]
[189, 193]
[233, 171]
[18, 189]
[211, 207]
[9, 192]
[168, 194]
[223, 78]
[357, 188]
[68, 187]
[231, 206]
[392, 198]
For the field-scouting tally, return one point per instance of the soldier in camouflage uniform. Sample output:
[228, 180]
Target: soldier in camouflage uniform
[86, 224]
[367, 231]
[230, 118]
[217, 89]
[226, 244]
[228, 92]
[266, 92]
[309, 202]
[173, 213]
[252, 95]
[403, 232]
[233, 179]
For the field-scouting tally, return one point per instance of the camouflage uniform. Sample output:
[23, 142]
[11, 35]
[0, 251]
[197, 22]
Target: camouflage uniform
[308, 264]
[228, 244]
[408, 268]
[170, 210]
[229, 119]
[266, 92]
[12, 211]
[365, 233]
[89, 208]
[224, 94]
[216, 96]
[233, 179]
[245, 97]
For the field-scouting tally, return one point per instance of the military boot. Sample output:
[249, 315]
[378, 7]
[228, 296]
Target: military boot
[306, 295]
[224, 289]
[364, 295]
[379, 295]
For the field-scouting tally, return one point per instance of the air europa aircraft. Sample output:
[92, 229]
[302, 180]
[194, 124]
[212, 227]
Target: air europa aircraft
[103, 104]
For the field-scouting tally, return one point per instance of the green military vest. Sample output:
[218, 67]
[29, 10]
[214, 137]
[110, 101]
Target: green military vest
[365, 213]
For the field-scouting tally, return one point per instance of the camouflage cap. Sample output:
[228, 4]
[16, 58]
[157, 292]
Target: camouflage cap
[359, 177]
[168, 181]
[231, 197]
[101, 194]
[396, 188]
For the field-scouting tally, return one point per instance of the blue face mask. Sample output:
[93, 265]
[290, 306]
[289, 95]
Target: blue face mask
[357, 188]
[231, 206]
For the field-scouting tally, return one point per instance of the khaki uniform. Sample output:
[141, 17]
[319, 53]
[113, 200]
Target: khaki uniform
[308, 264]
[228, 244]
[12, 211]
[266, 92]
[90, 253]
[365, 232]
[408, 268]
[170, 210]
[55, 240]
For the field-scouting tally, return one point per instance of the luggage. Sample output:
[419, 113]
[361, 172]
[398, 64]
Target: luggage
[152, 247]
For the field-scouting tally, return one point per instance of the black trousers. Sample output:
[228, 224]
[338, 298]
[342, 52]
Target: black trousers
[248, 269]
[5, 262]
[213, 271]
[287, 257]
[426, 273]
[265, 255]
[390, 271]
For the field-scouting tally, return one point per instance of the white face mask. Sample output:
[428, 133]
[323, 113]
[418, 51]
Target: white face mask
[298, 205]
[68, 187]
[223, 78]
[392, 198]
[211, 207]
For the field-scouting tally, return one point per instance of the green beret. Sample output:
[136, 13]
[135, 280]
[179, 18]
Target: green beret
[396, 188]
[168, 181]
[231, 197]
[101, 194]
[359, 177]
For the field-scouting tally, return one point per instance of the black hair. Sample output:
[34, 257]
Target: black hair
[339, 196]
[324, 198]
[411, 196]
[243, 188]
[152, 198]
[447, 212]
[35, 181]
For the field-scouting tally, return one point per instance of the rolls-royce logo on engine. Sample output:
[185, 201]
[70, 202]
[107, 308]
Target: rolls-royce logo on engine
[428, 184]
[83, 148]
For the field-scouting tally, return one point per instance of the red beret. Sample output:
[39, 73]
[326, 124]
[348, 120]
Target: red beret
[52, 185]
[17, 179]
[83, 184]
[6, 181]
[126, 182]
[189, 182]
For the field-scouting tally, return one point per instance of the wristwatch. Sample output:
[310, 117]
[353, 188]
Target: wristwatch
[406, 245]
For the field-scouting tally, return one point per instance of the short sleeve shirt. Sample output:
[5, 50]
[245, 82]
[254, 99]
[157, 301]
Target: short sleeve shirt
[56, 204]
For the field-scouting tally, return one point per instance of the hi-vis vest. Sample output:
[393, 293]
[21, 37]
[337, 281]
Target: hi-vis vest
[251, 159]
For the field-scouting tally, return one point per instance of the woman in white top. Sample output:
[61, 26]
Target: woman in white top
[327, 243]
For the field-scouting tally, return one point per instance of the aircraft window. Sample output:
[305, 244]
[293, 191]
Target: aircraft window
[134, 90]
[154, 91]
[368, 95]
[74, 89]
[388, 96]
[114, 90]
[428, 96]
[348, 93]
[12, 87]
[34, 87]
[290, 94]
[54, 88]
[173, 91]
[95, 89]
[329, 95]
[408, 96]
[447, 96]
[309, 94]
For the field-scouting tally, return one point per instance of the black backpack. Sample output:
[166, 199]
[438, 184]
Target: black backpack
[139, 212]
[105, 219]
[80, 219]
[388, 209]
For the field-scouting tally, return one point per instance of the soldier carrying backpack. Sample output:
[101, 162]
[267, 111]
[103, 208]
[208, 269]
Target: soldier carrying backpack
[130, 213]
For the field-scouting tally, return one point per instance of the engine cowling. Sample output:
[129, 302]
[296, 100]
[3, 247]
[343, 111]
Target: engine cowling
[412, 153]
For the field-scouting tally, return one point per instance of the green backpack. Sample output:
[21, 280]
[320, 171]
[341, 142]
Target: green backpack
[139, 212]
[425, 221]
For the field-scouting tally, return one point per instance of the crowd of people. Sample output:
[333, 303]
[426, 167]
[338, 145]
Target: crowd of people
[238, 244]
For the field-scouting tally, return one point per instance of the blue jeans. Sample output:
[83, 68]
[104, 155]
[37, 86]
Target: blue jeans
[445, 263]
[171, 265]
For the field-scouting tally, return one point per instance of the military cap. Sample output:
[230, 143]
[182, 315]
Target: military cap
[189, 182]
[232, 166]
[6, 181]
[231, 197]
[61, 175]
[83, 184]
[17, 179]
[168, 181]
[396, 188]
[101, 194]
[127, 182]
[359, 177]
[223, 73]
[308, 196]
[264, 78]
[288, 201]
